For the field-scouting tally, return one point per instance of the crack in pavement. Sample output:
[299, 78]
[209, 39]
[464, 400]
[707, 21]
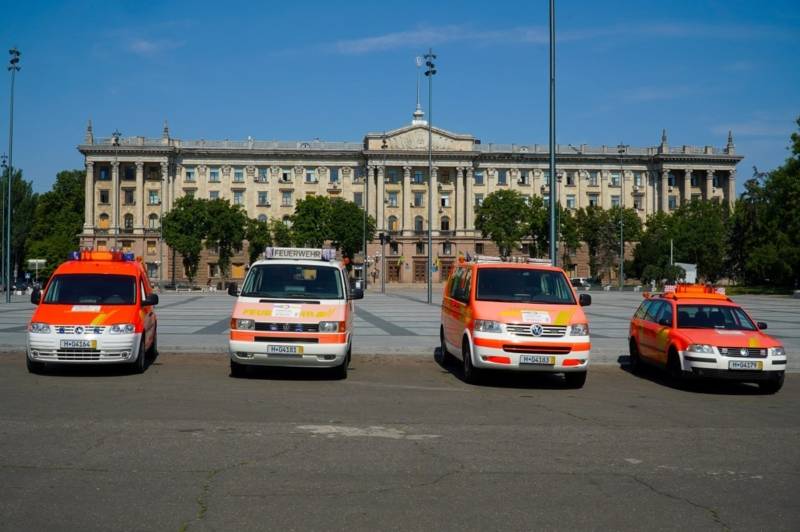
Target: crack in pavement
[713, 512]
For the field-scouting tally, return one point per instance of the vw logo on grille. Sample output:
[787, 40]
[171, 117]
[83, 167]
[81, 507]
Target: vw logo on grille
[537, 329]
[78, 330]
[743, 351]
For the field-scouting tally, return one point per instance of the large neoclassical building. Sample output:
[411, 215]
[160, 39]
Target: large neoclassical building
[131, 182]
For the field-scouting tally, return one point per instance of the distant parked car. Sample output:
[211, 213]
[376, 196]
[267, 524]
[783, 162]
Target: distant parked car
[580, 283]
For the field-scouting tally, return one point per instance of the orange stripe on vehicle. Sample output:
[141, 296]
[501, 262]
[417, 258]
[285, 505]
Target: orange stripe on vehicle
[498, 344]
[249, 336]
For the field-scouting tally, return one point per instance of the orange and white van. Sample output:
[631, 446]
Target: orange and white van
[522, 316]
[295, 309]
[97, 308]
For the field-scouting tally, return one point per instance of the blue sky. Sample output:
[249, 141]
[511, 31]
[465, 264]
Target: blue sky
[336, 70]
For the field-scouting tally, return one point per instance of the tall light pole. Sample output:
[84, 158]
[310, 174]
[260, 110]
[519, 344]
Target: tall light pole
[429, 73]
[13, 66]
[382, 208]
[115, 142]
[553, 196]
[621, 150]
[4, 167]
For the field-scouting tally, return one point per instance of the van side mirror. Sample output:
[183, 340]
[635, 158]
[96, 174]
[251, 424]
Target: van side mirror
[585, 300]
[761, 325]
[150, 300]
[356, 293]
[233, 289]
[36, 297]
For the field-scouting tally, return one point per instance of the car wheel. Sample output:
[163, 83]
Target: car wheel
[238, 370]
[442, 355]
[152, 353]
[674, 367]
[139, 365]
[472, 375]
[575, 379]
[340, 371]
[771, 386]
[634, 359]
[37, 368]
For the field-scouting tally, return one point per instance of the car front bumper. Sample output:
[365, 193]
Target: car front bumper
[502, 352]
[712, 365]
[322, 355]
[109, 349]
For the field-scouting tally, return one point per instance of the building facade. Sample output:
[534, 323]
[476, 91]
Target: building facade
[131, 182]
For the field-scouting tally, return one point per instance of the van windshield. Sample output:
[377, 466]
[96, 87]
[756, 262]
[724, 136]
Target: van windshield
[91, 289]
[523, 286]
[287, 281]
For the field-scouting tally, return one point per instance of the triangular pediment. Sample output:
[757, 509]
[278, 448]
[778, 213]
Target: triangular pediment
[415, 138]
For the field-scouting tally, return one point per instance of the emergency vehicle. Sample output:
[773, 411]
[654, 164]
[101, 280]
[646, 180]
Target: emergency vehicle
[504, 315]
[696, 330]
[96, 308]
[295, 309]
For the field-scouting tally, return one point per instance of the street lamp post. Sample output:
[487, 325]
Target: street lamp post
[382, 208]
[115, 142]
[4, 167]
[553, 196]
[13, 66]
[429, 73]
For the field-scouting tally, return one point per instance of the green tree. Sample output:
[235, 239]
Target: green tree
[503, 217]
[569, 234]
[311, 221]
[184, 229]
[23, 202]
[281, 233]
[225, 231]
[538, 227]
[592, 222]
[651, 256]
[701, 229]
[346, 231]
[258, 238]
[57, 221]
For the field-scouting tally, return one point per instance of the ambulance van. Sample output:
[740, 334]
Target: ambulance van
[295, 309]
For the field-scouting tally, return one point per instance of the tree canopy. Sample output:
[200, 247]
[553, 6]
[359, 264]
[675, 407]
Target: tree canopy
[503, 217]
[184, 228]
[225, 231]
[321, 219]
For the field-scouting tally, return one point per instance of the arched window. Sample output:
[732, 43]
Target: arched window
[104, 221]
[287, 220]
[152, 221]
[418, 224]
[262, 218]
[392, 223]
[128, 221]
[445, 223]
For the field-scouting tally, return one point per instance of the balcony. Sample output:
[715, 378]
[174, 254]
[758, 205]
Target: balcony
[152, 231]
[447, 232]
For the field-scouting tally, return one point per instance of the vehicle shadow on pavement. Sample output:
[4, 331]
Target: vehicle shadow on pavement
[273, 373]
[690, 385]
[505, 379]
[96, 370]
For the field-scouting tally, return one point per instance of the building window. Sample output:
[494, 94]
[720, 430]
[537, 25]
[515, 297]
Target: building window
[420, 248]
[444, 200]
[715, 180]
[189, 174]
[570, 179]
[213, 269]
[594, 200]
[128, 173]
[693, 180]
[103, 221]
[238, 197]
[696, 197]
[286, 198]
[152, 221]
[546, 175]
[479, 177]
[101, 245]
[637, 203]
[238, 175]
[444, 176]
[479, 248]
[311, 175]
[104, 174]
[638, 177]
[333, 174]
[546, 201]
[214, 194]
[262, 218]
[188, 193]
[419, 177]
[358, 199]
[213, 175]
[127, 245]
[128, 221]
[394, 248]
[152, 197]
[286, 175]
[392, 223]
[615, 201]
[614, 179]
[263, 175]
[151, 247]
[502, 175]
[263, 198]
[444, 223]
[570, 201]
[523, 177]
[671, 179]
[392, 199]
[673, 202]
[447, 248]
[392, 176]
[128, 197]
[104, 196]
[418, 224]
[418, 199]
[594, 177]
[478, 200]
[527, 198]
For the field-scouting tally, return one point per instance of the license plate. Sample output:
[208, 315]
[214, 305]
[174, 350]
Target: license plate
[746, 364]
[285, 349]
[79, 344]
[541, 360]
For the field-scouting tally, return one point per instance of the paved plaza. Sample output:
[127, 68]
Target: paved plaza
[400, 322]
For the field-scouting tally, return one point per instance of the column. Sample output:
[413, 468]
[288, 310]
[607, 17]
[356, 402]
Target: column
[165, 186]
[373, 194]
[459, 203]
[731, 187]
[434, 199]
[579, 177]
[114, 228]
[380, 206]
[88, 204]
[470, 201]
[709, 183]
[687, 185]
[140, 196]
[664, 193]
[408, 224]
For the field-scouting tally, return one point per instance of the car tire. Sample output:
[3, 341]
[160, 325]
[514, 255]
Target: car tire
[472, 375]
[771, 386]
[443, 356]
[575, 379]
[674, 368]
[340, 371]
[634, 358]
[37, 368]
[140, 364]
[238, 370]
[152, 353]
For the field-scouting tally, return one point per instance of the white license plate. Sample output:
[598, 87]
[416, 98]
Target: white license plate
[541, 360]
[79, 344]
[285, 349]
[746, 364]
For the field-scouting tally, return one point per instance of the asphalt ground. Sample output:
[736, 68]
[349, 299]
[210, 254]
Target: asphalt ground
[400, 322]
[402, 444]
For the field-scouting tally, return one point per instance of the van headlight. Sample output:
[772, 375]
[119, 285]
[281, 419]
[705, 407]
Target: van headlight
[41, 328]
[778, 352]
[246, 325]
[579, 329]
[122, 328]
[329, 326]
[488, 326]
[701, 348]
